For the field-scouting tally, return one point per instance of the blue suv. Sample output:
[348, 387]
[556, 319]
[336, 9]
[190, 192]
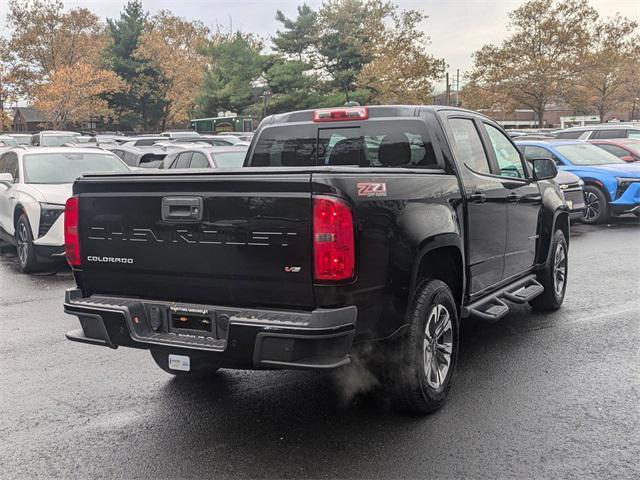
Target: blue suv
[612, 186]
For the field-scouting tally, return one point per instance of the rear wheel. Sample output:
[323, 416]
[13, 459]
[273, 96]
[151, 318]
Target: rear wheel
[24, 246]
[554, 275]
[200, 367]
[423, 360]
[596, 208]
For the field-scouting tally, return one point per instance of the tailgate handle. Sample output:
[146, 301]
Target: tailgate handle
[182, 209]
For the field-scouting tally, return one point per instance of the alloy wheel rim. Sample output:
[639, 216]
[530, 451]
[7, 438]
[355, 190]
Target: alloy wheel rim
[559, 269]
[22, 242]
[437, 346]
[592, 208]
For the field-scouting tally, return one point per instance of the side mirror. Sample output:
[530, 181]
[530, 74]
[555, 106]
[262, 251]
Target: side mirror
[628, 158]
[544, 168]
[6, 178]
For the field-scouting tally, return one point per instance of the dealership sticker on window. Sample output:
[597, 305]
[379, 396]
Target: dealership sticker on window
[372, 189]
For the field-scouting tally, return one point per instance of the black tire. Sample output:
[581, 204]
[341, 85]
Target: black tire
[596, 208]
[549, 277]
[410, 385]
[200, 367]
[24, 245]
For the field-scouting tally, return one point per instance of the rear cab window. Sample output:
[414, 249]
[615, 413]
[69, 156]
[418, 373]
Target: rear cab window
[399, 143]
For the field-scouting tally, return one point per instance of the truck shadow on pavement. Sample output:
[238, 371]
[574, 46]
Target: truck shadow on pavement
[300, 424]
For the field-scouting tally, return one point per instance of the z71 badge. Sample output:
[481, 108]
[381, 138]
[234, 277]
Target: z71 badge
[372, 189]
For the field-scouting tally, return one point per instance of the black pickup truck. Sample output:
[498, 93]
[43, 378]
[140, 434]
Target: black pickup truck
[349, 226]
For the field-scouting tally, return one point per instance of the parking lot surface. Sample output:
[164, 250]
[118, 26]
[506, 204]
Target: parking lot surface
[536, 396]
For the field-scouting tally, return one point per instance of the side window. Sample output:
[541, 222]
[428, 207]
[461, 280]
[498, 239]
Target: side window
[609, 133]
[130, 159]
[184, 159]
[531, 152]
[199, 160]
[507, 155]
[167, 162]
[571, 134]
[633, 134]
[467, 145]
[119, 153]
[614, 149]
[9, 164]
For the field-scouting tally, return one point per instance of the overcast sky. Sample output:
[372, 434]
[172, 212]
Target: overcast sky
[457, 27]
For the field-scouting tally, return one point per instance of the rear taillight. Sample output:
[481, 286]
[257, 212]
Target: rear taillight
[333, 240]
[341, 114]
[71, 237]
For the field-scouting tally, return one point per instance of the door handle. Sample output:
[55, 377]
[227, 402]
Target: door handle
[513, 197]
[478, 197]
[182, 209]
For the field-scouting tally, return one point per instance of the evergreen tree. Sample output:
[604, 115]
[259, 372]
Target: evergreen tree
[233, 81]
[140, 105]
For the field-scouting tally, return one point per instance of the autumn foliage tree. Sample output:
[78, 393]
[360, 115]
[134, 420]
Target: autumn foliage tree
[539, 60]
[400, 70]
[610, 67]
[46, 39]
[173, 46]
[75, 94]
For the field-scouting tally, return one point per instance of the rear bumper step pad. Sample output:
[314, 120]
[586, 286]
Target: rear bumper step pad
[321, 338]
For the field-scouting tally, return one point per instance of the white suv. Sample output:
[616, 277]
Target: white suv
[34, 186]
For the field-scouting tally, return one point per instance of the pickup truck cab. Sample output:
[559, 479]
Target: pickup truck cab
[350, 226]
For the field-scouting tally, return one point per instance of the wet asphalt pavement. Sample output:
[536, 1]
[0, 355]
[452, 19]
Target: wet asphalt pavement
[535, 396]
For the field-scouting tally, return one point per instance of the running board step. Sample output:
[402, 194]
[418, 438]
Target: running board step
[492, 308]
[525, 294]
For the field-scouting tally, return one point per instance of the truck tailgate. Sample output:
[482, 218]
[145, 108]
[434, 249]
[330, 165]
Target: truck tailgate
[232, 239]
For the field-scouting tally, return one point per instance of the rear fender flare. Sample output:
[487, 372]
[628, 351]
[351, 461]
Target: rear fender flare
[431, 244]
[560, 221]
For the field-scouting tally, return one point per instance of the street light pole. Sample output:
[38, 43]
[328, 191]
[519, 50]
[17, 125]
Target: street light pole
[1, 106]
[633, 109]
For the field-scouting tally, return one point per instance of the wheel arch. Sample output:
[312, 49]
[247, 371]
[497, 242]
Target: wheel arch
[594, 182]
[441, 257]
[561, 222]
[17, 212]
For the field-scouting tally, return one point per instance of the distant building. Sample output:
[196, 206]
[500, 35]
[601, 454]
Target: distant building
[28, 119]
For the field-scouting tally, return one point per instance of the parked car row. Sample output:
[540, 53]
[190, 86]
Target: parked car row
[611, 185]
[598, 177]
[604, 131]
[56, 138]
